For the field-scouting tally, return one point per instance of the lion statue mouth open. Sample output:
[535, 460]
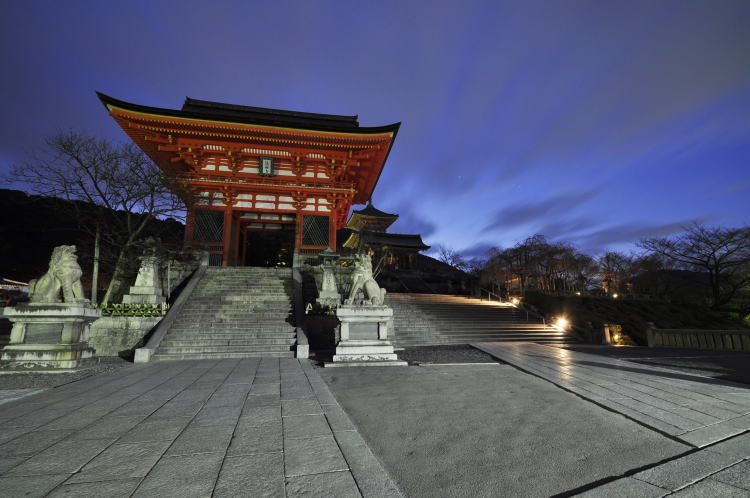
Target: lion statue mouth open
[64, 274]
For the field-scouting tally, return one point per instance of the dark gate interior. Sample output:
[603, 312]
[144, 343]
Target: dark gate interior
[269, 247]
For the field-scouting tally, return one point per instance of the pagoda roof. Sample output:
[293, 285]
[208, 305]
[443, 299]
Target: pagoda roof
[402, 240]
[374, 212]
[394, 240]
[220, 112]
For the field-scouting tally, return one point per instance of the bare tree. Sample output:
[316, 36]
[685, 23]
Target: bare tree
[127, 189]
[721, 253]
[451, 257]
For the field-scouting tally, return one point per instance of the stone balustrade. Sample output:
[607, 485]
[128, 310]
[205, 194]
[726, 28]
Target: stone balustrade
[723, 340]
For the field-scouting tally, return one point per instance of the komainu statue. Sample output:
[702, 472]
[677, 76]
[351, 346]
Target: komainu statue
[364, 283]
[64, 274]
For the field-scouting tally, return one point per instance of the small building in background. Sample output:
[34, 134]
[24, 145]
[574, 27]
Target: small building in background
[368, 229]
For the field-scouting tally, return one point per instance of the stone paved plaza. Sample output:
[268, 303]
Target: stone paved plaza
[194, 428]
[551, 421]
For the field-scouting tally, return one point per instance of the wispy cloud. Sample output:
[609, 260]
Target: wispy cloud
[519, 214]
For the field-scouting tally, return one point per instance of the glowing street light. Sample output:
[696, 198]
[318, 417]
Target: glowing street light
[615, 295]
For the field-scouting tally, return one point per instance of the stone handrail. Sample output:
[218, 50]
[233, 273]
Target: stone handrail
[143, 355]
[303, 346]
[724, 340]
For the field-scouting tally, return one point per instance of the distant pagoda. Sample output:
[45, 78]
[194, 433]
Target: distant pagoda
[368, 229]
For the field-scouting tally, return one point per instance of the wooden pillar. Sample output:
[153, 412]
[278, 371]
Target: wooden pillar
[300, 225]
[226, 238]
[236, 241]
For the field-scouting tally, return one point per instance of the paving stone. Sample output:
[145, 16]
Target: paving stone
[121, 488]
[67, 456]
[259, 439]
[9, 433]
[297, 394]
[682, 471]
[227, 399]
[257, 476]
[325, 397]
[108, 427]
[136, 407]
[738, 446]
[263, 400]
[31, 486]
[223, 415]
[625, 488]
[737, 475]
[306, 426]
[710, 434]
[32, 442]
[301, 407]
[709, 488]
[371, 478]
[184, 476]
[337, 418]
[38, 418]
[266, 388]
[178, 409]
[312, 456]
[260, 415]
[156, 429]
[266, 379]
[193, 395]
[338, 484]
[121, 461]
[14, 410]
[9, 463]
[197, 439]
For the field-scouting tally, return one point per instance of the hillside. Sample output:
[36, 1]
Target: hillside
[31, 226]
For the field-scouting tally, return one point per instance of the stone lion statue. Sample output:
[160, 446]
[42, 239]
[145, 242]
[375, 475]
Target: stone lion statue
[364, 283]
[64, 274]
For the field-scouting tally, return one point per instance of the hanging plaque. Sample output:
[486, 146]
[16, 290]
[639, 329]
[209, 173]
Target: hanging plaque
[266, 166]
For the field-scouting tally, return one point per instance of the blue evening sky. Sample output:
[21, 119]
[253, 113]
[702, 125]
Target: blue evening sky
[595, 122]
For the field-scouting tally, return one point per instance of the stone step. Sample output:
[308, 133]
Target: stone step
[244, 338]
[228, 342]
[210, 356]
[234, 313]
[203, 348]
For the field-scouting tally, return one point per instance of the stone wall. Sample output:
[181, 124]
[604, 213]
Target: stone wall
[722, 340]
[119, 335]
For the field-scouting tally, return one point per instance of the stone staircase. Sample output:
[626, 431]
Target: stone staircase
[237, 312]
[434, 319]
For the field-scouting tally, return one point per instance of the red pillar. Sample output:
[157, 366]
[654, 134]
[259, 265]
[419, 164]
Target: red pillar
[227, 236]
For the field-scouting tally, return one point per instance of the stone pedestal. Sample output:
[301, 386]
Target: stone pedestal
[147, 288]
[364, 337]
[48, 336]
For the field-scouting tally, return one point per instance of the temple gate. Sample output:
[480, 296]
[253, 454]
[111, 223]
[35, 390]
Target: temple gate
[259, 183]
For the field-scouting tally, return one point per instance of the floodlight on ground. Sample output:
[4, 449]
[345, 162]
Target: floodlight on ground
[561, 323]
[515, 301]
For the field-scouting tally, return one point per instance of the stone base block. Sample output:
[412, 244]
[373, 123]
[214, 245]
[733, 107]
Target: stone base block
[359, 352]
[116, 335]
[35, 357]
[368, 363]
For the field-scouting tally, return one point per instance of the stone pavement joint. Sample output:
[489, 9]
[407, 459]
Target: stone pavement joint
[257, 426]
